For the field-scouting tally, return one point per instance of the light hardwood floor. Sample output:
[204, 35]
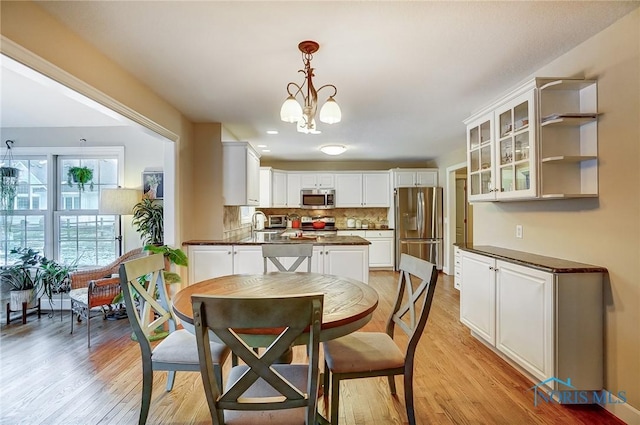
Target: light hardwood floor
[50, 377]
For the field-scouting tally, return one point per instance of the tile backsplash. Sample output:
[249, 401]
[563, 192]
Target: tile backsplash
[374, 216]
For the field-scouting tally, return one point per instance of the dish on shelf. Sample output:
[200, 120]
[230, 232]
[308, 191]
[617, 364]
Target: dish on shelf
[485, 165]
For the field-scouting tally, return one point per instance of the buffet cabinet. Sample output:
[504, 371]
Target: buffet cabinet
[547, 321]
[537, 142]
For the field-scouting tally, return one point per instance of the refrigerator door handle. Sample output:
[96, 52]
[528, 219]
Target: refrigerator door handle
[420, 213]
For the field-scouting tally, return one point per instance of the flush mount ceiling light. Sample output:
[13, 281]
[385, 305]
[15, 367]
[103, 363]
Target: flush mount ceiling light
[333, 149]
[304, 116]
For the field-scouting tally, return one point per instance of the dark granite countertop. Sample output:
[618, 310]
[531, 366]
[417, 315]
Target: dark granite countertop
[540, 262]
[262, 238]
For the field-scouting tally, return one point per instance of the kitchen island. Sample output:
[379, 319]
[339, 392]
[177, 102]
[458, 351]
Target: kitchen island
[346, 256]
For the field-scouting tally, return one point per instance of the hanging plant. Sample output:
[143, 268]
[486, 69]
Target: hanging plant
[8, 181]
[80, 176]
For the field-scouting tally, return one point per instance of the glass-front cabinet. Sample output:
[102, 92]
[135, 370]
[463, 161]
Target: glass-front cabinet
[515, 151]
[480, 154]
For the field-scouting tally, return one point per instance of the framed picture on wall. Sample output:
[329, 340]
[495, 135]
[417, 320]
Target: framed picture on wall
[153, 184]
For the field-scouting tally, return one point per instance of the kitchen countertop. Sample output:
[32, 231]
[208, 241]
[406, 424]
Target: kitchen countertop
[540, 262]
[262, 237]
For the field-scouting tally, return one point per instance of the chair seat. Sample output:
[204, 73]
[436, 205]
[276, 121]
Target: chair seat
[80, 295]
[297, 374]
[362, 352]
[181, 347]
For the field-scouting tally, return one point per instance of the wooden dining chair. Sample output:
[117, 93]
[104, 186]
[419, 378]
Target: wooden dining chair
[369, 354]
[260, 391]
[275, 252]
[147, 302]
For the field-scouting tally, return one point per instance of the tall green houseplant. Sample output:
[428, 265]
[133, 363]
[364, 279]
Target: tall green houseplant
[149, 221]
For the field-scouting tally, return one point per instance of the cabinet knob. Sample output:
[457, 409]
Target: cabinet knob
[228, 252]
[326, 252]
[490, 267]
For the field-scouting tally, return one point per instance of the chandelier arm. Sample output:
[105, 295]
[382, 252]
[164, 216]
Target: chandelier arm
[299, 89]
[335, 90]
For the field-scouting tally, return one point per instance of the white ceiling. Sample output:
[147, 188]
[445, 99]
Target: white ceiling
[407, 73]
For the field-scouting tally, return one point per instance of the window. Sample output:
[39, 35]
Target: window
[57, 219]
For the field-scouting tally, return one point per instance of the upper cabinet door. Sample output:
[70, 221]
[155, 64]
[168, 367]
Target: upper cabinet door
[294, 185]
[348, 190]
[317, 181]
[279, 189]
[515, 153]
[480, 159]
[376, 190]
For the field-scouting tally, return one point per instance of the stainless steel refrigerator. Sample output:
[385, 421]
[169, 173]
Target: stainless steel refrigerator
[418, 223]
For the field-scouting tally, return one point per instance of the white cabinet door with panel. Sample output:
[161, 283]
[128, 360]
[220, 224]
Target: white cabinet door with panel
[209, 261]
[340, 260]
[411, 177]
[348, 190]
[265, 187]
[241, 174]
[477, 296]
[524, 317]
[376, 190]
[279, 189]
[317, 181]
[294, 185]
[381, 250]
[247, 259]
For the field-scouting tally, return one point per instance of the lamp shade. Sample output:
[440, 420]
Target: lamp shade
[330, 112]
[118, 201]
[291, 110]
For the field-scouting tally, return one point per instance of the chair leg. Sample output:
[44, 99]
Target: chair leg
[325, 383]
[147, 389]
[171, 377]
[71, 316]
[408, 397]
[217, 371]
[335, 399]
[88, 327]
[392, 384]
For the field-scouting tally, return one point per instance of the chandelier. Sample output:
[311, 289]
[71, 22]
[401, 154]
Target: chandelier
[305, 115]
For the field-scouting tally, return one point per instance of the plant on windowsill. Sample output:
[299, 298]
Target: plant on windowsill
[80, 176]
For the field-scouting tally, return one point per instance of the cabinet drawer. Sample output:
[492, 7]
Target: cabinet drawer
[378, 234]
[360, 233]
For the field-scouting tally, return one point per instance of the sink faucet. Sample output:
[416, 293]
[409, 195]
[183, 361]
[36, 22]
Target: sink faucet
[254, 223]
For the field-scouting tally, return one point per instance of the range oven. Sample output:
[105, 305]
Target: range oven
[317, 199]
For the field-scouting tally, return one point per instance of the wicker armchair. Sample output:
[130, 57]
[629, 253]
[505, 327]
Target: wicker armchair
[97, 288]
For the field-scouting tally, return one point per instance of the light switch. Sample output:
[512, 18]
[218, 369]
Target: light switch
[519, 231]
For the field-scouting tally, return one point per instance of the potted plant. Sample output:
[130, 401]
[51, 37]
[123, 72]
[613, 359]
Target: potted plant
[171, 256]
[80, 176]
[149, 221]
[33, 276]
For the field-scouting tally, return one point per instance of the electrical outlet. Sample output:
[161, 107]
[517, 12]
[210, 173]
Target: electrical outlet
[519, 231]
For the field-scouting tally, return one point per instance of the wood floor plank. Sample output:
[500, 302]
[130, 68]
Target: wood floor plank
[49, 377]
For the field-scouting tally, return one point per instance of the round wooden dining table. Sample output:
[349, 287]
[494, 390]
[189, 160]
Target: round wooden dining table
[348, 304]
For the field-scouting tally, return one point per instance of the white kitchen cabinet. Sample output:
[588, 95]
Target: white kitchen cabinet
[342, 260]
[524, 317]
[548, 323]
[457, 279]
[294, 185]
[369, 190]
[477, 296]
[266, 175]
[209, 261]
[317, 181]
[381, 250]
[411, 177]
[360, 233]
[247, 259]
[349, 190]
[376, 189]
[539, 141]
[241, 174]
[279, 193]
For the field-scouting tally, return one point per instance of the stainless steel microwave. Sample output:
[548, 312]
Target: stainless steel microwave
[317, 199]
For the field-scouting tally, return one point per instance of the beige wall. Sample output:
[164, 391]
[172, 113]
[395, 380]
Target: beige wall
[603, 231]
[35, 30]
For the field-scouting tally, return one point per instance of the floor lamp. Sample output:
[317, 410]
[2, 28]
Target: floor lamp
[119, 202]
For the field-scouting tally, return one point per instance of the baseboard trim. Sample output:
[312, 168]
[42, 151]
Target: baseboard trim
[623, 411]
